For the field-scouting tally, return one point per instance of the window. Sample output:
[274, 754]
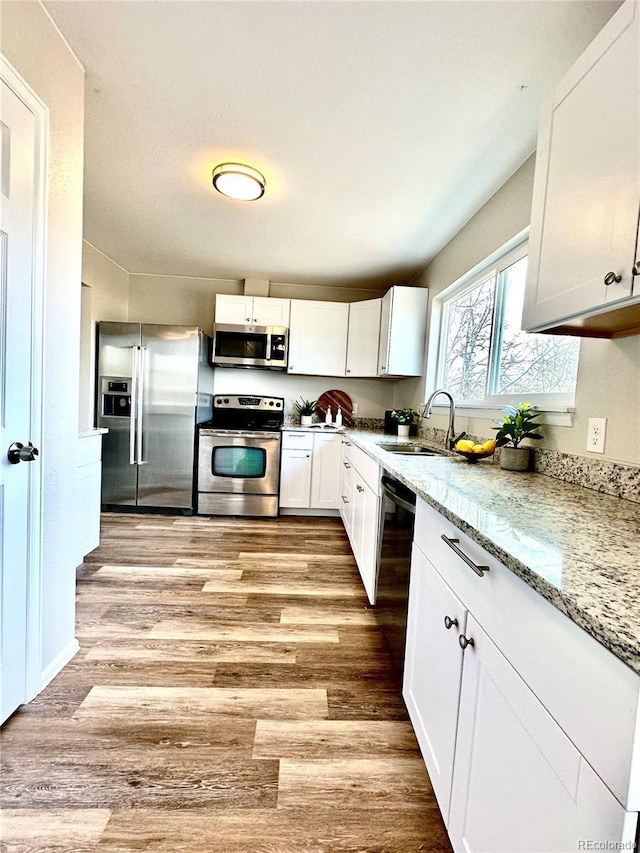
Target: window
[484, 357]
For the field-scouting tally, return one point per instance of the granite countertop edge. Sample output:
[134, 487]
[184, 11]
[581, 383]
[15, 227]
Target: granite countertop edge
[577, 548]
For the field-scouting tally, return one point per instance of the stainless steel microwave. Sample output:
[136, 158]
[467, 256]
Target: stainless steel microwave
[250, 346]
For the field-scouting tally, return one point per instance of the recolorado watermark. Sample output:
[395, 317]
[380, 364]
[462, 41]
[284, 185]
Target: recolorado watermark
[588, 844]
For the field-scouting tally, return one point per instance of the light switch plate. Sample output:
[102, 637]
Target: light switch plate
[596, 432]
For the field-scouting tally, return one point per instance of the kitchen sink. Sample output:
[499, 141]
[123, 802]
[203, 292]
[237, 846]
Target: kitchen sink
[410, 449]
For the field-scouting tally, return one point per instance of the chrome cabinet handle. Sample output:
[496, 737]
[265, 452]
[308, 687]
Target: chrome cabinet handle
[359, 487]
[453, 544]
[346, 465]
[347, 444]
[348, 370]
[449, 623]
[344, 500]
[465, 641]
[248, 319]
[612, 278]
[636, 268]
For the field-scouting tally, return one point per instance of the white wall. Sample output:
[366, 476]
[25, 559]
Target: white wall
[372, 396]
[609, 370]
[33, 46]
[177, 300]
[105, 296]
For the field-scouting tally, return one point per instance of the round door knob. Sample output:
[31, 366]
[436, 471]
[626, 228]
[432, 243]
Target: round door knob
[612, 278]
[636, 268]
[449, 623]
[21, 453]
[465, 641]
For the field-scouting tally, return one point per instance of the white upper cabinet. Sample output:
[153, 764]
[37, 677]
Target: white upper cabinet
[403, 325]
[586, 199]
[363, 338]
[318, 337]
[255, 310]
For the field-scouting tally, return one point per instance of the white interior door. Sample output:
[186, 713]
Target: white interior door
[19, 482]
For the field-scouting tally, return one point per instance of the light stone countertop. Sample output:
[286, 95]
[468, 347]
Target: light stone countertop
[88, 433]
[313, 428]
[577, 548]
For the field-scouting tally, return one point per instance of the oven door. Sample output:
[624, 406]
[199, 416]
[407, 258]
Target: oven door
[241, 346]
[239, 462]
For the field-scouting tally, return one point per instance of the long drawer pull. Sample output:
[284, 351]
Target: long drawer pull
[453, 544]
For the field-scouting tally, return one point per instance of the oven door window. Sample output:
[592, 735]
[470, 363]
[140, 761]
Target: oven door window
[239, 462]
[241, 345]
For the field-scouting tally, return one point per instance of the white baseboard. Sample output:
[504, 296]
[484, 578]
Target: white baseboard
[323, 513]
[60, 661]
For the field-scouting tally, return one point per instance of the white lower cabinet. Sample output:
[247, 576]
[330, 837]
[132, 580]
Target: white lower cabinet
[519, 783]
[432, 691]
[360, 502]
[506, 769]
[88, 486]
[310, 470]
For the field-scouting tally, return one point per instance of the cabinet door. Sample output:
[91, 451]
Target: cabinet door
[295, 478]
[235, 310]
[366, 535]
[363, 338]
[403, 326]
[269, 311]
[519, 783]
[432, 672]
[325, 472]
[88, 506]
[347, 488]
[318, 337]
[586, 198]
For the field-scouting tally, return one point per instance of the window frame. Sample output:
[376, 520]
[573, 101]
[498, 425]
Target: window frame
[494, 265]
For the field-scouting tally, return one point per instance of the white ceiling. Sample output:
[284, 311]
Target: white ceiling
[381, 127]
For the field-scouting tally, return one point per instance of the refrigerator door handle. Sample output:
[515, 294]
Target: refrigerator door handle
[139, 406]
[132, 416]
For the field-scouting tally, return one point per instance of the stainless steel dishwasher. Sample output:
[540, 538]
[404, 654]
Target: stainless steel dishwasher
[399, 509]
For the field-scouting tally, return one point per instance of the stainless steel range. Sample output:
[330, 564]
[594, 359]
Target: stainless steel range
[239, 456]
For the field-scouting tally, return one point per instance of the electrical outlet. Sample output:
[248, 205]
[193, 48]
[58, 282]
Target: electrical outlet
[596, 433]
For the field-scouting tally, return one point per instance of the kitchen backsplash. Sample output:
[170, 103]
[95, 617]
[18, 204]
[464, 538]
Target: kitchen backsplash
[611, 478]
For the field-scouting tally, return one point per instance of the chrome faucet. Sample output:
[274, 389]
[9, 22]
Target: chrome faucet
[450, 438]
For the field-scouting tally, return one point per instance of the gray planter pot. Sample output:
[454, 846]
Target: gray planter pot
[515, 458]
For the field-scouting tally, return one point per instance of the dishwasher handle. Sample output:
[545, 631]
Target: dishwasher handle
[391, 491]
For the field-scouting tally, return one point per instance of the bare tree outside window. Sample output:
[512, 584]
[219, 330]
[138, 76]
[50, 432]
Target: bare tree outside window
[469, 320]
[526, 363]
[484, 352]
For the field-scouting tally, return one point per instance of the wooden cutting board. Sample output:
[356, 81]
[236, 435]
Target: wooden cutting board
[333, 399]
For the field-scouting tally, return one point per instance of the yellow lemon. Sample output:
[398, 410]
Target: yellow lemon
[478, 448]
[489, 446]
[464, 445]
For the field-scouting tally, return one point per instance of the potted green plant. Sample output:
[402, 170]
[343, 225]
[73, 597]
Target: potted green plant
[518, 423]
[404, 419]
[306, 409]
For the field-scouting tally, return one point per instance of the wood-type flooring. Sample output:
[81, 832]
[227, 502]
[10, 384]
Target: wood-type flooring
[232, 694]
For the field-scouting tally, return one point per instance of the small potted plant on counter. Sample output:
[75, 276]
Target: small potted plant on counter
[518, 423]
[306, 409]
[404, 419]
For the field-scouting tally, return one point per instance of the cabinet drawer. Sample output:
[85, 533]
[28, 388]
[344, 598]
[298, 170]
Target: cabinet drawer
[592, 695]
[297, 440]
[367, 467]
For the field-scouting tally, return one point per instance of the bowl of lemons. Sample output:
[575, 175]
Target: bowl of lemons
[473, 452]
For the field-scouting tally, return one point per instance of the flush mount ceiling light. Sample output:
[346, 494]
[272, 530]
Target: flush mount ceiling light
[237, 181]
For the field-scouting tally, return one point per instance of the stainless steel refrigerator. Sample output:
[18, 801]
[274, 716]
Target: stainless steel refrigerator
[154, 384]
